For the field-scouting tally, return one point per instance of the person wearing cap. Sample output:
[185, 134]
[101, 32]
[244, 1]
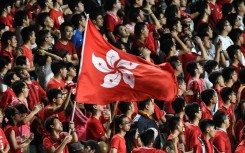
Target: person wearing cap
[121, 126]
[57, 140]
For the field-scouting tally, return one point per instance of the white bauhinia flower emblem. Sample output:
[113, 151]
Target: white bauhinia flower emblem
[116, 71]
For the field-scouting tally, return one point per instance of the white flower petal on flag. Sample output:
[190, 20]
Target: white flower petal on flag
[100, 64]
[111, 80]
[127, 64]
[111, 57]
[128, 77]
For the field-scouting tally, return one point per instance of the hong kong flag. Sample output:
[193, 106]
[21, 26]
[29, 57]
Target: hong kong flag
[108, 74]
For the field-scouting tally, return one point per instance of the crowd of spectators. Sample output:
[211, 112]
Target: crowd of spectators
[40, 52]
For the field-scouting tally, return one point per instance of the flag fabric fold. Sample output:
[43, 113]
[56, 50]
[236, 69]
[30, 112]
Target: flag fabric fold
[108, 74]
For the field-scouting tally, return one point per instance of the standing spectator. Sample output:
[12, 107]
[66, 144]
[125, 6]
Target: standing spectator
[121, 125]
[56, 14]
[236, 57]
[5, 15]
[221, 140]
[216, 13]
[239, 6]
[209, 97]
[111, 18]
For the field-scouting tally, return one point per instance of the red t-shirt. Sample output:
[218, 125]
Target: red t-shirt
[28, 53]
[53, 142]
[221, 141]
[230, 112]
[216, 14]
[184, 59]
[7, 97]
[57, 17]
[94, 129]
[241, 147]
[69, 47]
[111, 21]
[198, 148]
[146, 150]
[192, 132]
[238, 127]
[3, 140]
[7, 130]
[36, 93]
[118, 143]
[9, 54]
[237, 68]
[53, 83]
[206, 113]
[8, 21]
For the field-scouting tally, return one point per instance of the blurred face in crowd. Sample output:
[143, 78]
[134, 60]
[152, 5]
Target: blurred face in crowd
[79, 7]
[211, 131]
[13, 42]
[221, 81]
[118, 4]
[227, 27]
[183, 3]
[233, 97]
[49, 22]
[123, 32]
[199, 69]
[68, 33]
[234, 76]
[162, 19]
[26, 22]
[25, 91]
[57, 125]
[49, 4]
[207, 42]
[99, 21]
[125, 126]
[210, 33]
[24, 74]
[72, 72]
[151, 2]
[178, 27]
[139, 2]
[150, 107]
[63, 72]
[141, 16]
[83, 22]
[187, 31]
[33, 38]
[145, 31]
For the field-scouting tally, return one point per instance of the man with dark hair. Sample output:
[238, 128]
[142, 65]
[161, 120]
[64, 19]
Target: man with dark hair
[209, 97]
[209, 67]
[5, 66]
[236, 36]
[147, 137]
[76, 6]
[66, 30]
[60, 72]
[126, 108]
[221, 140]
[241, 91]
[236, 57]
[229, 99]
[144, 119]
[192, 132]
[230, 76]
[239, 6]
[56, 14]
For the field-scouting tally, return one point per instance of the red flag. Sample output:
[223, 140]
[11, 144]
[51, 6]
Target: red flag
[108, 74]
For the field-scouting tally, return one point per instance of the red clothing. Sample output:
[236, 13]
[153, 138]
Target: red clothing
[241, 147]
[158, 114]
[7, 97]
[44, 114]
[53, 142]
[7, 130]
[238, 127]
[237, 68]
[111, 21]
[197, 86]
[206, 113]
[57, 17]
[3, 139]
[118, 143]
[216, 14]
[9, 54]
[7, 21]
[36, 93]
[192, 132]
[146, 150]
[53, 83]
[230, 112]
[69, 47]
[219, 96]
[221, 141]
[185, 58]
[94, 129]
[208, 146]
[28, 53]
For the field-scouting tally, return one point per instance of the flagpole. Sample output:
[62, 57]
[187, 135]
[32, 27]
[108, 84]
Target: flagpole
[80, 68]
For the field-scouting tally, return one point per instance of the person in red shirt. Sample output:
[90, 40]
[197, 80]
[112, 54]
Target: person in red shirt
[217, 80]
[176, 128]
[3, 140]
[66, 30]
[11, 131]
[179, 109]
[229, 99]
[192, 132]
[209, 97]
[236, 36]
[208, 132]
[111, 18]
[240, 119]
[36, 92]
[236, 57]
[121, 125]
[9, 43]
[56, 14]
[29, 38]
[221, 140]
[127, 108]
[60, 72]
[57, 140]
[216, 13]
[57, 105]
[147, 137]
[5, 15]
[230, 77]
[9, 94]
[94, 128]
[241, 147]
